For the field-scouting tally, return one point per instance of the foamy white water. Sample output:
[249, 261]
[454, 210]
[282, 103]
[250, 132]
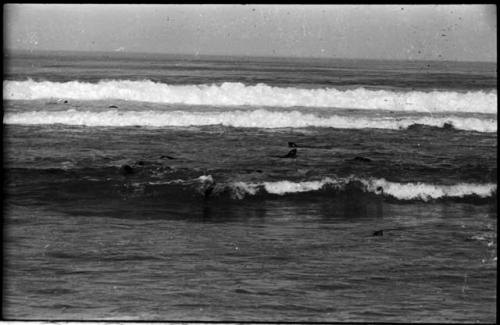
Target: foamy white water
[426, 192]
[400, 191]
[237, 94]
[260, 118]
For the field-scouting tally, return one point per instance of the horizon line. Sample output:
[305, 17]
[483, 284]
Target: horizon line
[6, 51]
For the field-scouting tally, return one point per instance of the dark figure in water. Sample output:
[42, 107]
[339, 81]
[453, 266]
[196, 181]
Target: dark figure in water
[292, 145]
[167, 157]
[291, 154]
[378, 233]
[126, 170]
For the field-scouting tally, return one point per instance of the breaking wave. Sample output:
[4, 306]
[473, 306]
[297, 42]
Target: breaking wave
[400, 191]
[238, 94]
[259, 118]
[193, 187]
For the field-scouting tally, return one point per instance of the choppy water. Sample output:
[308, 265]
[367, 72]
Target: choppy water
[152, 188]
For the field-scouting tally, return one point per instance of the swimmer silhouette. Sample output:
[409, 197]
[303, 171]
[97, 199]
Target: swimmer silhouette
[292, 145]
[291, 154]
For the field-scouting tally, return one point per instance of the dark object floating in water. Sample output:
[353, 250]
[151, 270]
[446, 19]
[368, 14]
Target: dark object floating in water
[448, 126]
[362, 159]
[249, 171]
[126, 170]
[291, 154]
[378, 233]
[292, 145]
[168, 157]
[140, 163]
[65, 102]
[112, 106]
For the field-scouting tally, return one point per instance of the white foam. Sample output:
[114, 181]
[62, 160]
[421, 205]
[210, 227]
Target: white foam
[401, 191]
[237, 118]
[237, 94]
[426, 192]
[239, 190]
[206, 179]
[284, 187]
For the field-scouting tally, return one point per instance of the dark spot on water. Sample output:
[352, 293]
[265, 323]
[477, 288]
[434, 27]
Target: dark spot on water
[60, 255]
[291, 154]
[167, 157]
[448, 126]
[126, 170]
[243, 291]
[361, 159]
[65, 102]
[112, 106]
[378, 233]
[140, 163]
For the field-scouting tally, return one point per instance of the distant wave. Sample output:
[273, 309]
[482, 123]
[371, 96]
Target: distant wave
[260, 118]
[400, 191]
[238, 94]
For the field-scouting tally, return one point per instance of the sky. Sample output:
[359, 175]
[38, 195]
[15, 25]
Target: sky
[394, 32]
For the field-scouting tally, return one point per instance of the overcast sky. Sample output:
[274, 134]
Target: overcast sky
[408, 32]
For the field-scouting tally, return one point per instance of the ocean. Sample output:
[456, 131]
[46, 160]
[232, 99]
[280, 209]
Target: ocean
[209, 188]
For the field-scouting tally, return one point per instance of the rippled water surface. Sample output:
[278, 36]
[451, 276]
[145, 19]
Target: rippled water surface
[173, 211]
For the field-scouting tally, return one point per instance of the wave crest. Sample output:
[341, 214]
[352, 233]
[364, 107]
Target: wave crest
[400, 191]
[259, 118]
[238, 94]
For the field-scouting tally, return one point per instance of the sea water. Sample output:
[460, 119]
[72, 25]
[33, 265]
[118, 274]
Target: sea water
[208, 221]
